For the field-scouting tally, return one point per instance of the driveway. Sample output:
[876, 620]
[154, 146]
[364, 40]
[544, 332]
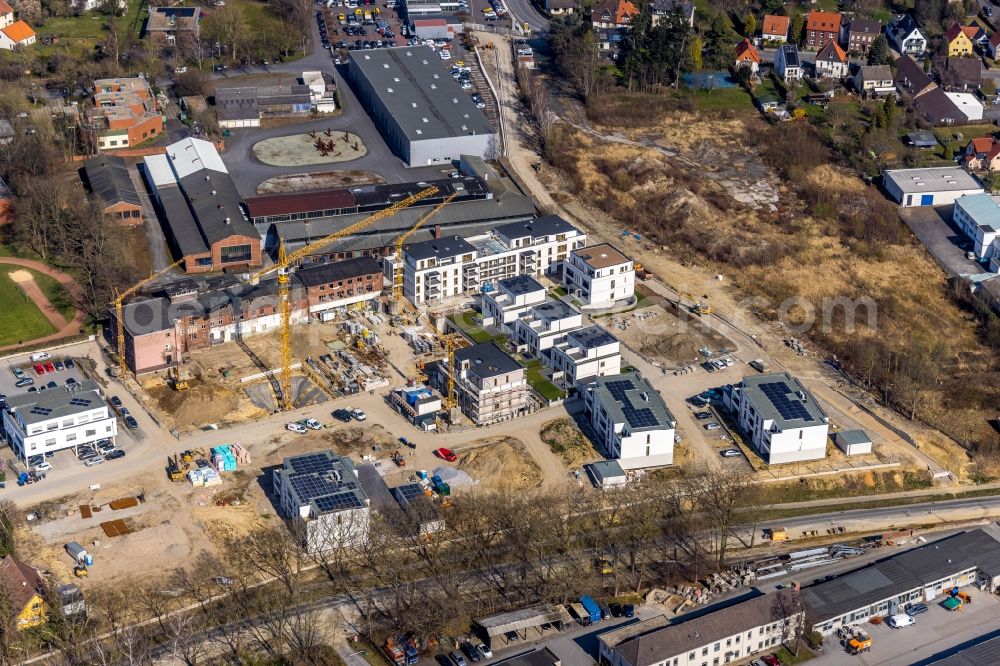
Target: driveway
[942, 240]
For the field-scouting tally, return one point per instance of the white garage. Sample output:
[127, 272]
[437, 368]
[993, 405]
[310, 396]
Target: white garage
[936, 186]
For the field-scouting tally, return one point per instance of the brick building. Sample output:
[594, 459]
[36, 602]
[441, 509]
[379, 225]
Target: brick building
[109, 182]
[124, 114]
[822, 28]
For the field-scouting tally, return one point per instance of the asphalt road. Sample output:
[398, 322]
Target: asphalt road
[941, 239]
[524, 12]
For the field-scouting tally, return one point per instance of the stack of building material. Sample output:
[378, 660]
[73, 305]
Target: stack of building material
[204, 476]
[223, 459]
[242, 455]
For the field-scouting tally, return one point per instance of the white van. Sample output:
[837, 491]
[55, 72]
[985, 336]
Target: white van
[901, 620]
[40, 356]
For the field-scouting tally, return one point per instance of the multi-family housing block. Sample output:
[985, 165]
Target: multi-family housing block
[124, 113]
[490, 386]
[599, 275]
[632, 423]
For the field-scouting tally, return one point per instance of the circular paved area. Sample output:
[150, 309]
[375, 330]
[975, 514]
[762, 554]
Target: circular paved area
[315, 147]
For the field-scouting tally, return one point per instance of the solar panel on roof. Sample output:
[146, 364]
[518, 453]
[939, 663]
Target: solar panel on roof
[80, 402]
[339, 502]
[41, 411]
[777, 393]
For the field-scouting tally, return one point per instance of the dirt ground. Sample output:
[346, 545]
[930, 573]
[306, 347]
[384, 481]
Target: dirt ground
[500, 462]
[568, 442]
[659, 333]
[302, 182]
[302, 150]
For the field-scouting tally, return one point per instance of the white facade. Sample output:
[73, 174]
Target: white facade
[510, 301]
[585, 354]
[978, 216]
[436, 270]
[831, 68]
[785, 425]
[57, 419]
[787, 63]
[968, 104]
[544, 325]
[933, 186]
[631, 438]
[599, 275]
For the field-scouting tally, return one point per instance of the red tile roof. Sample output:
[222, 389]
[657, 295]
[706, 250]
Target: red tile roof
[18, 31]
[775, 25]
[5, 8]
[745, 52]
[823, 22]
[20, 581]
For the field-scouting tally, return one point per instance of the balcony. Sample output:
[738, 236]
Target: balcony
[433, 278]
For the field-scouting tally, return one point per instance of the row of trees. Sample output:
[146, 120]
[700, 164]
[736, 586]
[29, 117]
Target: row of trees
[499, 551]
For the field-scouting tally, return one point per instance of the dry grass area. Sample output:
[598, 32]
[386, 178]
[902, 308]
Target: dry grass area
[569, 443]
[830, 238]
[662, 333]
[500, 463]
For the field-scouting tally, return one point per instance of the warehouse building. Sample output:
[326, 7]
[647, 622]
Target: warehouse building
[200, 208]
[918, 575]
[109, 181]
[933, 186]
[321, 496]
[422, 112]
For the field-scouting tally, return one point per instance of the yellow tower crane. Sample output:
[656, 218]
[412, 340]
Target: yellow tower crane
[397, 274]
[449, 400]
[286, 261]
[119, 313]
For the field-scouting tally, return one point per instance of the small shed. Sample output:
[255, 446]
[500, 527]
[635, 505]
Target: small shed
[922, 139]
[853, 442]
[607, 474]
[494, 628]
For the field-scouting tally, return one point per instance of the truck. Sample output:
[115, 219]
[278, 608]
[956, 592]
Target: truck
[592, 609]
[858, 641]
[759, 364]
[393, 651]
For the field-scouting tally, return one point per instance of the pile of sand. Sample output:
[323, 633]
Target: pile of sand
[500, 462]
[568, 442]
[204, 403]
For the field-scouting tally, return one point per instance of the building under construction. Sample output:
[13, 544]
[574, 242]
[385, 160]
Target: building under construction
[490, 386]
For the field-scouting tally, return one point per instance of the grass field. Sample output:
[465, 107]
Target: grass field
[57, 294]
[538, 381]
[20, 320]
[721, 99]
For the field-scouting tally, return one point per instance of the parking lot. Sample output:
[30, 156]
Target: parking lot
[933, 632]
[54, 375]
[945, 242]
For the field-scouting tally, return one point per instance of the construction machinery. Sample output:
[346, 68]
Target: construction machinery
[397, 277]
[700, 308]
[856, 640]
[176, 382]
[283, 268]
[119, 316]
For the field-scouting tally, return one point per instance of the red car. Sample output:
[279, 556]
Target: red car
[39, 369]
[771, 660]
[446, 454]
[49, 367]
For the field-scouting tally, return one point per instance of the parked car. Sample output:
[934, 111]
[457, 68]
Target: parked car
[296, 427]
[24, 381]
[616, 610]
[512, 636]
[71, 382]
[446, 454]
[69, 363]
[17, 372]
[40, 356]
[114, 455]
[471, 652]
[49, 367]
[771, 660]
[485, 651]
[96, 460]
[730, 453]
[312, 424]
[116, 402]
[59, 366]
[901, 620]
[711, 426]
[39, 369]
[701, 416]
[359, 414]
[52, 385]
[342, 415]
[43, 466]
[457, 658]
[131, 423]
[916, 609]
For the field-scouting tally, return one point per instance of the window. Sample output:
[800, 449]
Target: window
[91, 433]
[71, 438]
[235, 254]
[203, 261]
[50, 442]
[715, 648]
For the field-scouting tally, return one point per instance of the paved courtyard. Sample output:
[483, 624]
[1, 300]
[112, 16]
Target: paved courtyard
[932, 226]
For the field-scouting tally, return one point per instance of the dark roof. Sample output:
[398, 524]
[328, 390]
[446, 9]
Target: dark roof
[181, 225]
[683, 636]
[537, 657]
[987, 652]
[630, 398]
[902, 572]
[317, 274]
[108, 179]
[875, 73]
[779, 397]
[791, 54]
[42, 406]
[486, 360]
[831, 52]
[215, 202]
[848, 437]
[592, 337]
[21, 581]
[449, 246]
[910, 76]
[937, 107]
[521, 284]
[922, 139]
[299, 202]
[236, 103]
[548, 225]
[666, 6]
[280, 95]
[866, 26]
[962, 72]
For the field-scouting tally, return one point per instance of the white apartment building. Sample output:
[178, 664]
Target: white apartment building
[726, 635]
[511, 300]
[584, 355]
[490, 386]
[781, 420]
[631, 420]
[443, 268]
[978, 216]
[544, 325]
[599, 275]
[55, 419]
[321, 496]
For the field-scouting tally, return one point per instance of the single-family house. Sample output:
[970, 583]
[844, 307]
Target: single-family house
[993, 44]
[747, 56]
[982, 153]
[905, 36]
[976, 34]
[660, 9]
[858, 35]
[561, 7]
[958, 41]
[613, 14]
[822, 28]
[13, 33]
[911, 79]
[787, 63]
[774, 29]
[873, 81]
[831, 61]
[23, 588]
[960, 74]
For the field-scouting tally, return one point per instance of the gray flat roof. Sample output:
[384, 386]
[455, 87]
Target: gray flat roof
[420, 93]
[521, 284]
[932, 179]
[552, 309]
[629, 398]
[49, 404]
[440, 248]
[548, 225]
[902, 572]
[983, 654]
[592, 337]
[779, 397]
[486, 360]
[608, 468]
[848, 437]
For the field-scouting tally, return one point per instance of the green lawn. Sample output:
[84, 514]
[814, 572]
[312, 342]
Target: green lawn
[56, 294]
[558, 292]
[469, 323]
[787, 658]
[20, 320]
[721, 99]
[539, 382]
